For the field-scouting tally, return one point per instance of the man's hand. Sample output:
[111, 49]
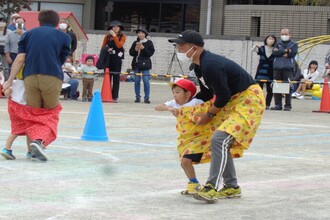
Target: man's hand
[203, 119]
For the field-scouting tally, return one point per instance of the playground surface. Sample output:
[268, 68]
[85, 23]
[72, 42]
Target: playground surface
[136, 174]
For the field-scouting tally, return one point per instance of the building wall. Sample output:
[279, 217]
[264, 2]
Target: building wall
[236, 50]
[218, 7]
[303, 21]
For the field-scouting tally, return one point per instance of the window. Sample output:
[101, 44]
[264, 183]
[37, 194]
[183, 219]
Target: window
[237, 2]
[255, 27]
[259, 2]
[155, 16]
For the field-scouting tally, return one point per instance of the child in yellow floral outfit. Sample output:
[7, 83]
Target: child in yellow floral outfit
[193, 141]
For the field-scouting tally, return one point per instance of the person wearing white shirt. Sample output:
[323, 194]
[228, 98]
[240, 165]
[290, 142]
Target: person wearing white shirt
[309, 76]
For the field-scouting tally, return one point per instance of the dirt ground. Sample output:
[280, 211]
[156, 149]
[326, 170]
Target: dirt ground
[136, 174]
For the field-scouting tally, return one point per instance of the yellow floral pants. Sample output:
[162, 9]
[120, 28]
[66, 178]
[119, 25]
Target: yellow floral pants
[240, 118]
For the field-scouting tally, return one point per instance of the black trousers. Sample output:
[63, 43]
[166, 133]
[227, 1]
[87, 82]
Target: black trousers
[283, 74]
[269, 90]
[115, 69]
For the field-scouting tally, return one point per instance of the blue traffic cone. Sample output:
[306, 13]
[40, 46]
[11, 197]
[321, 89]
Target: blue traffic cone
[95, 125]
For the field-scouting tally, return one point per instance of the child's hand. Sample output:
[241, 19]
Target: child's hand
[8, 93]
[174, 111]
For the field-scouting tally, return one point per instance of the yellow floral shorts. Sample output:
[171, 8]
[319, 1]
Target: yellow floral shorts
[240, 118]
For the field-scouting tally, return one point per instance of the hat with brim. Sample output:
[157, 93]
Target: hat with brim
[142, 30]
[116, 23]
[14, 15]
[189, 36]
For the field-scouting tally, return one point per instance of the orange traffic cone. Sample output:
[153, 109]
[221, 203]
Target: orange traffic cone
[106, 92]
[325, 100]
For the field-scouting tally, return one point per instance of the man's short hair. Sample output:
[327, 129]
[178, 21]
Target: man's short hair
[48, 17]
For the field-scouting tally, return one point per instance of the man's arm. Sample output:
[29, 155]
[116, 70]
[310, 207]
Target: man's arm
[278, 51]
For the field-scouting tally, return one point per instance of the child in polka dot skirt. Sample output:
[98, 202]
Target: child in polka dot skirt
[16, 94]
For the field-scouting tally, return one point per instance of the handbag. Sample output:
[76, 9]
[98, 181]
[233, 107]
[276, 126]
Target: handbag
[143, 64]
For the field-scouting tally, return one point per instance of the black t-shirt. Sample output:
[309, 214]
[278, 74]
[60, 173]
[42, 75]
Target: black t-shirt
[221, 77]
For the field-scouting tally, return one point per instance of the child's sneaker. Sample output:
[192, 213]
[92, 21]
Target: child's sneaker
[38, 150]
[207, 194]
[84, 99]
[192, 188]
[229, 192]
[8, 154]
[30, 155]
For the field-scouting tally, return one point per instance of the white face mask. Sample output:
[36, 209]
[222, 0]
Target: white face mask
[19, 26]
[183, 56]
[63, 26]
[285, 37]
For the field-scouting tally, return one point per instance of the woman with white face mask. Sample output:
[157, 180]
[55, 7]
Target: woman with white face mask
[141, 51]
[265, 66]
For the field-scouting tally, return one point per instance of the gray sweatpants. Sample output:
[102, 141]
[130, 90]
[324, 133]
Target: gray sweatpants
[222, 164]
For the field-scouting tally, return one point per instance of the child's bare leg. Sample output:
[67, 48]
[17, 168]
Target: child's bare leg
[28, 142]
[188, 168]
[10, 141]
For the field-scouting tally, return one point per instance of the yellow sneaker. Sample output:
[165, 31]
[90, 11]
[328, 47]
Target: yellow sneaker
[207, 194]
[192, 188]
[229, 192]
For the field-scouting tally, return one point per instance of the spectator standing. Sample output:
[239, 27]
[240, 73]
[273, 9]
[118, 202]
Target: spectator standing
[12, 39]
[88, 71]
[11, 26]
[265, 66]
[284, 52]
[43, 50]
[64, 26]
[141, 50]
[115, 41]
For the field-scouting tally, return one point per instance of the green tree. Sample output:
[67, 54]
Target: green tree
[8, 7]
[312, 2]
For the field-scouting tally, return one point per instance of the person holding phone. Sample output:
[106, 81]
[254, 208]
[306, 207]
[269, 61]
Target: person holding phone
[114, 42]
[12, 39]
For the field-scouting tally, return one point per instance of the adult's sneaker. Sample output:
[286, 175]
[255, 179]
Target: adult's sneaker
[207, 194]
[8, 154]
[192, 189]
[38, 150]
[229, 192]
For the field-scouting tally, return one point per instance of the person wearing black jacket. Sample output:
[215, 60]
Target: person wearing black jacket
[239, 105]
[284, 63]
[64, 26]
[141, 51]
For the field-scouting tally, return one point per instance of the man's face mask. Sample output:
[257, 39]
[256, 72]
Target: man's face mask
[285, 37]
[183, 56]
